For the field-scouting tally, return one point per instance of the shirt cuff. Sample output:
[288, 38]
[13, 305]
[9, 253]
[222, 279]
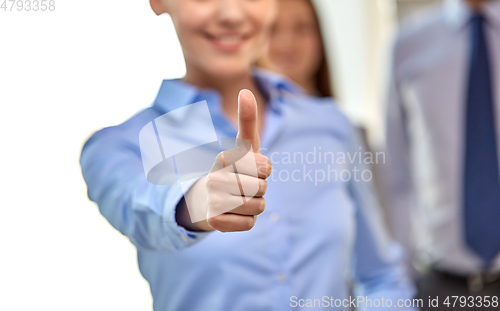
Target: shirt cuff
[179, 236]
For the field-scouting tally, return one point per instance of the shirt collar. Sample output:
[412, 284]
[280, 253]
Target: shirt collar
[458, 13]
[176, 93]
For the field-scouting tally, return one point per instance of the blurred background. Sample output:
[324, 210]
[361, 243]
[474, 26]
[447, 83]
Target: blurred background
[67, 73]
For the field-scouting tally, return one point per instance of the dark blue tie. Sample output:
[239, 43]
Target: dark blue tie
[481, 178]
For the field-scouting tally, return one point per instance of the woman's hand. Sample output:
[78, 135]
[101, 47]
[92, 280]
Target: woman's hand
[232, 195]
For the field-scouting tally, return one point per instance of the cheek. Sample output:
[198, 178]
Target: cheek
[262, 16]
[311, 53]
[261, 42]
[266, 11]
[276, 51]
[189, 20]
[310, 46]
[262, 45]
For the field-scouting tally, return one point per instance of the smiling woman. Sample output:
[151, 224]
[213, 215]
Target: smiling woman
[296, 49]
[221, 40]
[306, 233]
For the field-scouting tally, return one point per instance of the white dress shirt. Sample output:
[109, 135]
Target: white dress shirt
[426, 133]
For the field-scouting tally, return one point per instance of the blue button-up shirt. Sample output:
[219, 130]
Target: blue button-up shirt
[321, 222]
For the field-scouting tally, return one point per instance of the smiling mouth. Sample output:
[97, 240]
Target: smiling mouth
[230, 42]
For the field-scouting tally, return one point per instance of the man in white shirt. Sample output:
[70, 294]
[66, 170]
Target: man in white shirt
[442, 135]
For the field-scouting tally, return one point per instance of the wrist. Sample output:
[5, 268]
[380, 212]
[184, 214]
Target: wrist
[183, 219]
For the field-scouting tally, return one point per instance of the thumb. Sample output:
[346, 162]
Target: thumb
[247, 119]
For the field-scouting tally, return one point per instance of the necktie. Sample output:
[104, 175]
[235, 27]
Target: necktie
[481, 178]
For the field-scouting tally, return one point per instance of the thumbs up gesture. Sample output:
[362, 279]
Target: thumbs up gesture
[238, 176]
[231, 196]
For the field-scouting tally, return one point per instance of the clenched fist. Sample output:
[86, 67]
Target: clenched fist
[232, 194]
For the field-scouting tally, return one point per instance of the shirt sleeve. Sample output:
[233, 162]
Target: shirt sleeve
[398, 189]
[378, 262]
[144, 212]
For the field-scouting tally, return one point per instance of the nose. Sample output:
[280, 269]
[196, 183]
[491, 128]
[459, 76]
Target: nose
[231, 12]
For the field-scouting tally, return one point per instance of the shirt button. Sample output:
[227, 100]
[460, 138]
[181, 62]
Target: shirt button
[275, 217]
[184, 238]
[281, 278]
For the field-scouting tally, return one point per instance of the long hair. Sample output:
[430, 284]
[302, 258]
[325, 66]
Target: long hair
[322, 76]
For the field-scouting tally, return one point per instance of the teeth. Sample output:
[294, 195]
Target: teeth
[229, 40]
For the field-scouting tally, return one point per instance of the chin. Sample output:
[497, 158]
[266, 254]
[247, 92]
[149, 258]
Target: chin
[229, 68]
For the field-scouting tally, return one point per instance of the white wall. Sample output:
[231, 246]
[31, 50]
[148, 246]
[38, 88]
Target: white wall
[64, 74]
[359, 33]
